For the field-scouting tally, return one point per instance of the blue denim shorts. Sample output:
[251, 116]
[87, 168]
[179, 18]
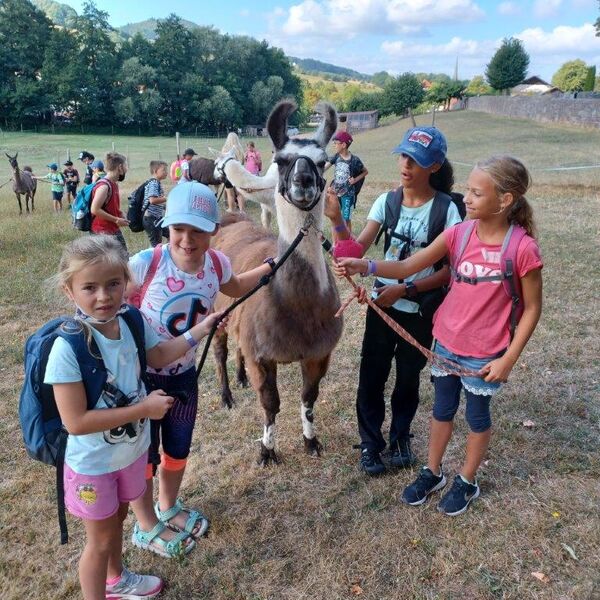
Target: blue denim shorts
[475, 385]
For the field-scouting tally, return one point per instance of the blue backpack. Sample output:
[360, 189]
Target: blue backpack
[43, 432]
[81, 208]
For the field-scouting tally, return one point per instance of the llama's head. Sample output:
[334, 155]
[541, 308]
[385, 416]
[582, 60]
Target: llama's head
[220, 160]
[12, 160]
[300, 161]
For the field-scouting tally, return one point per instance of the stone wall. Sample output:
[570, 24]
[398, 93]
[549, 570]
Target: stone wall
[578, 111]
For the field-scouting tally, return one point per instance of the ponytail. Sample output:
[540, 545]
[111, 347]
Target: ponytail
[443, 179]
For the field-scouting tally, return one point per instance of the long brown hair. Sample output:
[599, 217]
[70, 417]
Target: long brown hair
[511, 176]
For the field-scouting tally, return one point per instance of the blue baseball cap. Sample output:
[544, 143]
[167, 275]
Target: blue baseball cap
[425, 145]
[193, 204]
[52, 166]
[97, 164]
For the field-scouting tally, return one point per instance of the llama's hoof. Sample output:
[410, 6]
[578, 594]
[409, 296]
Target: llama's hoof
[312, 446]
[267, 456]
[227, 400]
[242, 381]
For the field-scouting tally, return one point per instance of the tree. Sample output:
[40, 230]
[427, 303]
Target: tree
[400, 94]
[478, 87]
[264, 95]
[24, 34]
[441, 92]
[597, 24]
[508, 66]
[381, 78]
[572, 76]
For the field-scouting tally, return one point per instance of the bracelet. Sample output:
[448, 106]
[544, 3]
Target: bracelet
[189, 338]
[370, 269]
[340, 228]
[270, 261]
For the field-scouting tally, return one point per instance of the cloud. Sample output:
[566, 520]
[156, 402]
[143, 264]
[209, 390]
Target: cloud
[509, 9]
[544, 9]
[321, 18]
[562, 40]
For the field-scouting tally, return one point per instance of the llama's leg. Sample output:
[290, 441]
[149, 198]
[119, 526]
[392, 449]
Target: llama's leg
[312, 373]
[32, 196]
[19, 201]
[241, 376]
[265, 216]
[220, 352]
[263, 376]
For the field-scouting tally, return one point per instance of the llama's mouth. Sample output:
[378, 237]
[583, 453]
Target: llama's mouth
[302, 197]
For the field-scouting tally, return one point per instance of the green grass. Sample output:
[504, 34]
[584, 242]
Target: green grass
[317, 528]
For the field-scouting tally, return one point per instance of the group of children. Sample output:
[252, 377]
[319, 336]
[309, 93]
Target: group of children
[109, 465]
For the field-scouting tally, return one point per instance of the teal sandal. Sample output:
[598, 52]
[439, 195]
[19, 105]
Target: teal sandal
[180, 545]
[195, 519]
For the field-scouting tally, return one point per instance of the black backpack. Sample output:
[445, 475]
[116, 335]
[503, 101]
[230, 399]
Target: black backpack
[136, 207]
[428, 301]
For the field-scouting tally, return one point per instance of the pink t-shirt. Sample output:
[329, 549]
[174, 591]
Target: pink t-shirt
[474, 320]
[253, 161]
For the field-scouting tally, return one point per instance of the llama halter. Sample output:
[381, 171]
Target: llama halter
[320, 180]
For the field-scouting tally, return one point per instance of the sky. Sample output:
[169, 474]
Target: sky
[394, 35]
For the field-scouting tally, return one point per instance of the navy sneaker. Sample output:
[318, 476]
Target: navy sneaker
[457, 499]
[426, 483]
[401, 454]
[370, 462]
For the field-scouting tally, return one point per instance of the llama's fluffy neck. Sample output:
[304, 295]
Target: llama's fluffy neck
[241, 178]
[290, 220]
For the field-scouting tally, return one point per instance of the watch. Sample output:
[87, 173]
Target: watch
[270, 261]
[411, 290]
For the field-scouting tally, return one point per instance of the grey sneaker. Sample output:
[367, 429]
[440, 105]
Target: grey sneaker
[457, 499]
[132, 586]
[426, 483]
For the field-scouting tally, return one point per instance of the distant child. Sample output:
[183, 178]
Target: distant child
[57, 186]
[106, 202]
[182, 291]
[232, 142]
[71, 176]
[87, 158]
[479, 326]
[349, 175]
[154, 203]
[188, 154]
[107, 447]
[252, 159]
[98, 171]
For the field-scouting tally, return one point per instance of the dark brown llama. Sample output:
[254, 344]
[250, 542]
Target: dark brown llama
[292, 319]
[23, 183]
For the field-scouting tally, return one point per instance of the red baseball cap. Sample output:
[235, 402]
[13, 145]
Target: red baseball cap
[344, 137]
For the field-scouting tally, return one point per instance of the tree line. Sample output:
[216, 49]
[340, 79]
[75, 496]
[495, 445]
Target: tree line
[185, 78]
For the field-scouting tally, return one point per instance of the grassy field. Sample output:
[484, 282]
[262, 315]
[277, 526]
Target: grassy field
[317, 528]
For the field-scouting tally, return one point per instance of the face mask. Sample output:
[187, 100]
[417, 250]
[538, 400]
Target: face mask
[122, 177]
[79, 314]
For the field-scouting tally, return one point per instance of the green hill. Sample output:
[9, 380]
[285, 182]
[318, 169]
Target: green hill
[148, 28]
[61, 14]
[316, 67]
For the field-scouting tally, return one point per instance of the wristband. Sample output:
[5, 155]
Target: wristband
[340, 228]
[370, 268]
[189, 338]
[411, 290]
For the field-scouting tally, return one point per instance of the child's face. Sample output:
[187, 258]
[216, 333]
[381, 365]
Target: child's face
[340, 146]
[161, 173]
[188, 244]
[482, 199]
[98, 290]
[412, 175]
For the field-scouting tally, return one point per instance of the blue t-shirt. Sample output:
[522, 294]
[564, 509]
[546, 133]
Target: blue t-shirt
[154, 189]
[106, 451]
[413, 223]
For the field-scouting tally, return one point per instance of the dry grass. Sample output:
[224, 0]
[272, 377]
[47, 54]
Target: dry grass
[317, 528]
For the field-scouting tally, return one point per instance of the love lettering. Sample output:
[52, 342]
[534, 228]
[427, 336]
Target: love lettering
[468, 269]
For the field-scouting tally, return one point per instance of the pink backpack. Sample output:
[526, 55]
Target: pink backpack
[508, 260]
[136, 299]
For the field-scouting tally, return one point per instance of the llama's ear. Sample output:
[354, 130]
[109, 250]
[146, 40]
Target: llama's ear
[328, 124]
[17, 154]
[277, 123]
[8, 155]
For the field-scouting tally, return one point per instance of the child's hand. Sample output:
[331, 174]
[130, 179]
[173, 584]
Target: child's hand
[121, 222]
[203, 329]
[332, 205]
[349, 266]
[387, 295]
[361, 295]
[497, 370]
[157, 403]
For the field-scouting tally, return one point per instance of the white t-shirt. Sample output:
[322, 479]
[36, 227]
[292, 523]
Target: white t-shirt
[184, 165]
[175, 301]
[105, 451]
[413, 223]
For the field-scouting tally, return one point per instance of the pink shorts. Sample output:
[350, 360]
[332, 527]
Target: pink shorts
[97, 497]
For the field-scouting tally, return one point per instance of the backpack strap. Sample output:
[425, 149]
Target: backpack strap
[135, 322]
[437, 221]
[511, 282]
[393, 207]
[216, 261]
[150, 273]
[96, 185]
[60, 488]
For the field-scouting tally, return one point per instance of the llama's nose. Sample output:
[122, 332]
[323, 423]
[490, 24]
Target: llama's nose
[302, 178]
